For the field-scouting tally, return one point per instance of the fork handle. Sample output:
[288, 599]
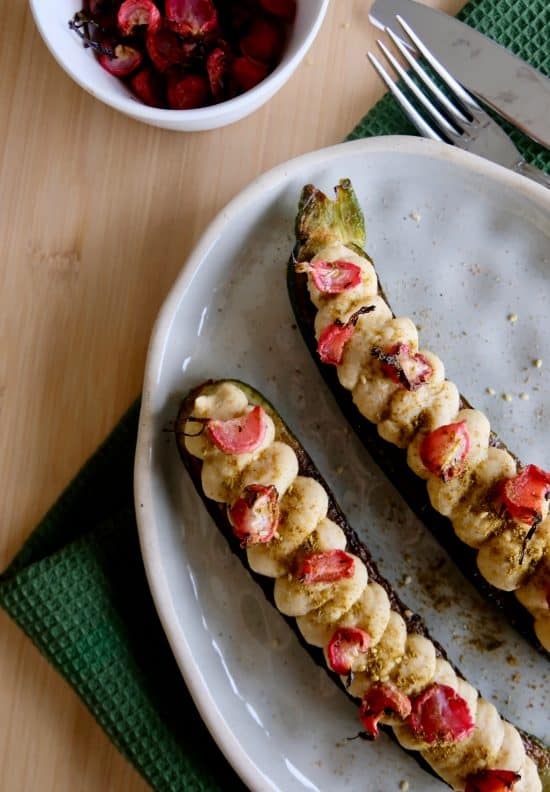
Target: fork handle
[533, 173]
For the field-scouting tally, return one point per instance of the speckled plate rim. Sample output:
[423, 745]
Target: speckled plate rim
[149, 529]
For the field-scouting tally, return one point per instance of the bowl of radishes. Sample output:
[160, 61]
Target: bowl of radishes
[180, 64]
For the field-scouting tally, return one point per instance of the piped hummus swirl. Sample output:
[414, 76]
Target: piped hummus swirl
[323, 607]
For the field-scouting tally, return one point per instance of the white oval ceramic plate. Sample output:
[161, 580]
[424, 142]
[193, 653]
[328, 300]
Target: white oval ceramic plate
[463, 247]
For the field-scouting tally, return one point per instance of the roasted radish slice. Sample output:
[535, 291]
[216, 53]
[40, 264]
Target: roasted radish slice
[248, 72]
[382, 699]
[345, 646]
[326, 567]
[285, 9]
[444, 450]
[525, 496]
[188, 91]
[263, 42]
[124, 61]
[216, 67]
[239, 435]
[191, 17]
[165, 49]
[255, 515]
[147, 86]
[439, 713]
[334, 338]
[332, 341]
[492, 781]
[137, 13]
[402, 367]
[332, 277]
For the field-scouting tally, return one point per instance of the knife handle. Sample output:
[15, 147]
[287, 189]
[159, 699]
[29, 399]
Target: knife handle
[533, 173]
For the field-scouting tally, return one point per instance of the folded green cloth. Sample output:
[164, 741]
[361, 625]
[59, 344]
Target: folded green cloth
[78, 588]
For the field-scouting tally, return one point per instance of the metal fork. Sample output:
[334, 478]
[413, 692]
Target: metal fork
[461, 122]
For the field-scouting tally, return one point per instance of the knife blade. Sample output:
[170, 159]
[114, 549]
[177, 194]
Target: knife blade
[513, 88]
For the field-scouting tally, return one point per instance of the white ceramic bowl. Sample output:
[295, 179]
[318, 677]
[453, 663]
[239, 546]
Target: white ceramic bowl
[81, 64]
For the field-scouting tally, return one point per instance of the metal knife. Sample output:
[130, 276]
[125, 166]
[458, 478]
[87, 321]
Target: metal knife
[517, 91]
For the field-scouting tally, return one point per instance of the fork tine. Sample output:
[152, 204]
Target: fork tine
[424, 128]
[454, 112]
[440, 119]
[438, 67]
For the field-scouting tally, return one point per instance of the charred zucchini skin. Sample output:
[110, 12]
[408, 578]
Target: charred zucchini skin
[306, 467]
[392, 460]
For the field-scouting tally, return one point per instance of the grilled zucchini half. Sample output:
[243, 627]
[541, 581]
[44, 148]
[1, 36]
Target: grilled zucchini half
[488, 511]
[269, 500]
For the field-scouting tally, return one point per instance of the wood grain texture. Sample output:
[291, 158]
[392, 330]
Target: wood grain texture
[97, 216]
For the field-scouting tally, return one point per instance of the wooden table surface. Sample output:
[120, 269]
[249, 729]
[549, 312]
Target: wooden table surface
[97, 215]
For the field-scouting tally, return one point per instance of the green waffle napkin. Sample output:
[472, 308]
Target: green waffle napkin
[78, 588]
